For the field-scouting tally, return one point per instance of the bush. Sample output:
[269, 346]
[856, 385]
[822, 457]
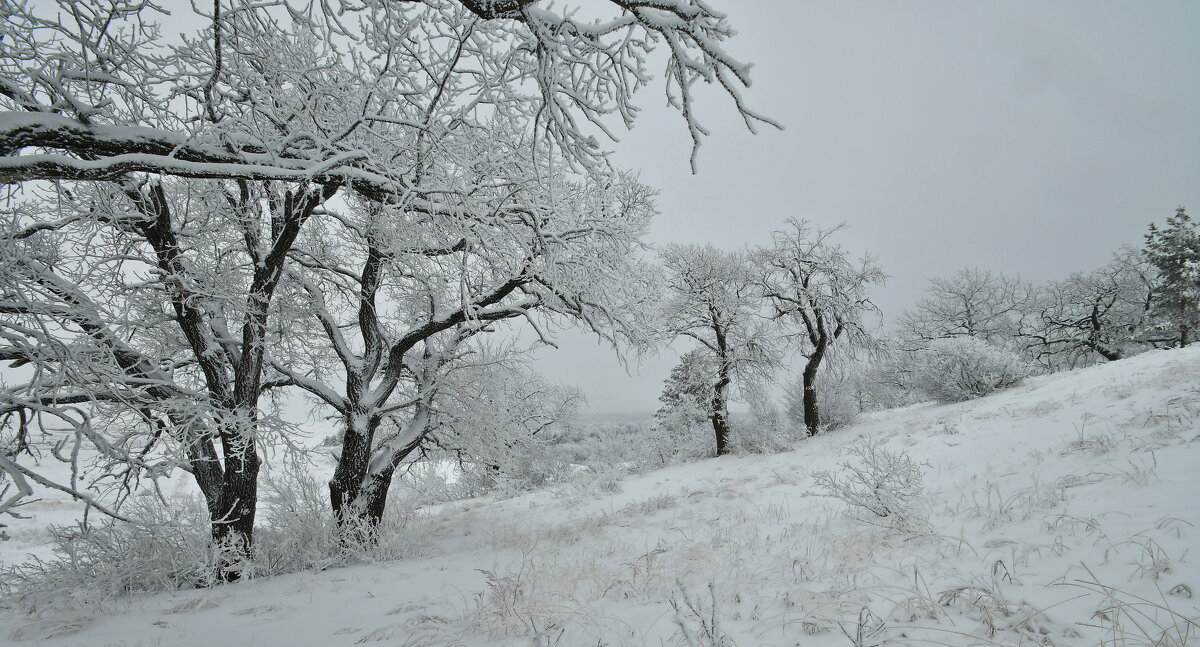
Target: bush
[840, 395]
[963, 368]
[884, 485]
[168, 546]
[752, 437]
[838, 400]
[164, 549]
[668, 444]
[629, 447]
[578, 453]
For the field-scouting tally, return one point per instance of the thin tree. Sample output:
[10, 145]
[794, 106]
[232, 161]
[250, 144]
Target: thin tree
[814, 285]
[714, 299]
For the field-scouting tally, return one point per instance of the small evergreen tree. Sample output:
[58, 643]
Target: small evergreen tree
[1174, 252]
[713, 297]
[687, 394]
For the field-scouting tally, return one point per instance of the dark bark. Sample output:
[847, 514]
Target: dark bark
[352, 469]
[233, 376]
[375, 496]
[112, 153]
[1094, 339]
[359, 497]
[206, 469]
[494, 9]
[818, 333]
[812, 413]
[233, 529]
[720, 419]
[1183, 327]
[395, 357]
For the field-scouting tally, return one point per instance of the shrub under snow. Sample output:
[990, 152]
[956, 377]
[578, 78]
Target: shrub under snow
[167, 547]
[886, 485]
[838, 400]
[963, 368]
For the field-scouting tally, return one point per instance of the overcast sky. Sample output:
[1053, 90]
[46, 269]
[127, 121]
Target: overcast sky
[1031, 138]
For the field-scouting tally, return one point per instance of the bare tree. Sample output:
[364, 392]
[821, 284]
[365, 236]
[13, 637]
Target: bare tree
[269, 114]
[972, 303]
[423, 287]
[714, 298]
[1102, 314]
[813, 284]
[105, 93]
[143, 262]
[493, 414]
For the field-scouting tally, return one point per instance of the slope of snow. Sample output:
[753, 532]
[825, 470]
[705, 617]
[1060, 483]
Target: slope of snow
[1061, 512]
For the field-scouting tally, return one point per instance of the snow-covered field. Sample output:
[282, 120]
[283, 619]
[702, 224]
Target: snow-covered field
[1060, 512]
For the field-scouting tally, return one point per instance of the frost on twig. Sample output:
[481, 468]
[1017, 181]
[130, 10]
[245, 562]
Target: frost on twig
[699, 623]
[880, 487]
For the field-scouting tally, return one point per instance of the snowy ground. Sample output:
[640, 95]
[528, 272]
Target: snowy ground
[1062, 512]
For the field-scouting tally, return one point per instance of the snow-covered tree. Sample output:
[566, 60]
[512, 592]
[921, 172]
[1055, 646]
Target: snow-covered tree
[128, 320]
[303, 91]
[714, 298]
[686, 399]
[493, 415]
[251, 127]
[395, 298]
[1102, 314]
[1174, 252]
[955, 369]
[972, 303]
[814, 286]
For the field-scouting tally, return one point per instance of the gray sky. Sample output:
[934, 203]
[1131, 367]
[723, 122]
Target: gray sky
[1025, 137]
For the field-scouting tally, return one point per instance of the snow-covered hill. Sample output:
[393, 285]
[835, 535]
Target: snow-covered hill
[1060, 512]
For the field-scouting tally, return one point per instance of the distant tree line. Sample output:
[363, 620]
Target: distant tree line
[803, 302]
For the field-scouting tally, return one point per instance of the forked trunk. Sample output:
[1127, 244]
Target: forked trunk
[359, 488]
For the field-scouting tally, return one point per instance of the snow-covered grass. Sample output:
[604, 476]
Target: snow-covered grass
[1058, 512]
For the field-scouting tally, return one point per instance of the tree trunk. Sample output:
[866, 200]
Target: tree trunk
[720, 413]
[1183, 327]
[233, 528]
[359, 520]
[352, 467]
[358, 495]
[812, 413]
[375, 498]
[1094, 338]
[206, 469]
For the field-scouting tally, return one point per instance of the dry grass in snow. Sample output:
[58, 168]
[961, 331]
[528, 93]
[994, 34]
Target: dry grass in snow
[1060, 512]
